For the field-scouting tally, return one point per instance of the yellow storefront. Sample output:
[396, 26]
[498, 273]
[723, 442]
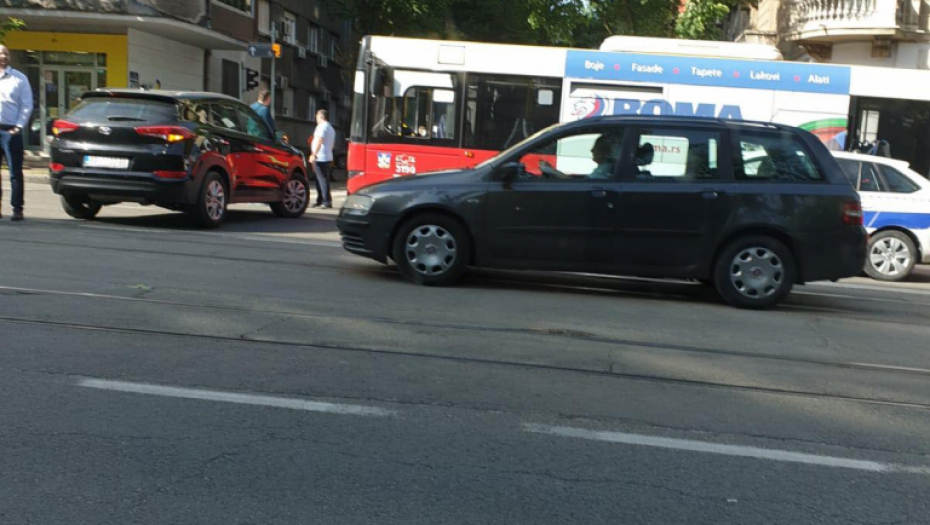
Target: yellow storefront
[61, 66]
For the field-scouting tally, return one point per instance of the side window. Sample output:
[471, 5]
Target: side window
[198, 113]
[224, 116]
[897, 182]
[850, 169]
[501, 110]
[677, 154]
[778, 157]
[868, 181]
[253, 124]
[588, 155]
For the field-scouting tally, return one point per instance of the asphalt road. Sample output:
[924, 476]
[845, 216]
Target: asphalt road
[151, 373]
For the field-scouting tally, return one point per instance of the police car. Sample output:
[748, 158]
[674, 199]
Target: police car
[896, 208]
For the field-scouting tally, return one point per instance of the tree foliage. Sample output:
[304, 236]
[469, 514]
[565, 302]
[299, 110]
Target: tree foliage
[703, 19]
[580, 23]
[11, 25]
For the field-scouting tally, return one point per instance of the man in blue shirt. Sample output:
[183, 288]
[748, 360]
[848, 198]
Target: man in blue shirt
[263, 108]
[15, 110]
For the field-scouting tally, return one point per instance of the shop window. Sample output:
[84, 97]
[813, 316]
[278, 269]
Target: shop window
[56, 58]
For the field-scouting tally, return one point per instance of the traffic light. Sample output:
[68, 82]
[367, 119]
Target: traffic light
[251, 79]
[276, 49]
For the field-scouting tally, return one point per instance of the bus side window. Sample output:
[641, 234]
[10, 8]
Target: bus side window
[502, 110]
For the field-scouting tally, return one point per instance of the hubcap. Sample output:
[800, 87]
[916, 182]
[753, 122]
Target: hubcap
[295, 196]
[890, 256]
[216, 200]
[757, 273]
[431, 250]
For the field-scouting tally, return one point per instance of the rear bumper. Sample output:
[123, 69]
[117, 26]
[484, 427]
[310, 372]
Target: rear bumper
[827, 256]
[125, 186]
[368, 236]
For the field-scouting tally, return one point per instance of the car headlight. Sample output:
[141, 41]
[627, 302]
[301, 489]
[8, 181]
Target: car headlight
[358, 204]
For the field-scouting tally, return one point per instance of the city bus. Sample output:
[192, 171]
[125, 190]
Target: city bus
[429, 105]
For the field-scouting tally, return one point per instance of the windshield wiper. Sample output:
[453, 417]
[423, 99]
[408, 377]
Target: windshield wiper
[125, 119]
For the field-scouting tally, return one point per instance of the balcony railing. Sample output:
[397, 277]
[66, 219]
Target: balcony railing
[838, 16]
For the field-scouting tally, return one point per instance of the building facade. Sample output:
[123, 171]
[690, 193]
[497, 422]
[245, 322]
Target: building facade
[71, 46]
[888, 39]
[879, 33]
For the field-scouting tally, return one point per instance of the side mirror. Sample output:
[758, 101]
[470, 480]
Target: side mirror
[511, 171]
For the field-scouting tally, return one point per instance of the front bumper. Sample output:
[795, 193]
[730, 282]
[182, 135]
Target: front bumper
[368, 235]
[125, 186]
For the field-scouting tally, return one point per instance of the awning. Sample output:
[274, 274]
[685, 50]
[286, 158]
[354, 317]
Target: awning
[57, 21]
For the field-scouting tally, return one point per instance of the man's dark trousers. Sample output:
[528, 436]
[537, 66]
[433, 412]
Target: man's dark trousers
[11, 150]
[323, 195]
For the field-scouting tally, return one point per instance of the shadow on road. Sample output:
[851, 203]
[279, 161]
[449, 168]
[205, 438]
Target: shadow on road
[257, 220]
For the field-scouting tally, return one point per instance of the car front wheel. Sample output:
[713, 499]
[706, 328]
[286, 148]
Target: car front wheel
[754, 272]
[80, 207]
[892, 256]
[431, 249]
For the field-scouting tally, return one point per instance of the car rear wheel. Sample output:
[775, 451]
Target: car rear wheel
[754, 272]
[294, 198]
[892, 256]
[80, 206]
[431, 249]
[210, 209]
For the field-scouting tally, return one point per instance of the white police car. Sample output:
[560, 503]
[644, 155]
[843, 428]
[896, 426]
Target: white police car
[896, 209]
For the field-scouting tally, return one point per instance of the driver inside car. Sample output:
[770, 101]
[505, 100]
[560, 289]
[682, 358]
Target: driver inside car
[603, 154]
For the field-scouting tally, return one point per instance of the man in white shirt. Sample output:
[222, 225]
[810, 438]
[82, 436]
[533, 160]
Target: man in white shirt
[321, 158]
[15, 110]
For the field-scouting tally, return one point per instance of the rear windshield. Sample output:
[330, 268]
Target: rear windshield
[124, 110]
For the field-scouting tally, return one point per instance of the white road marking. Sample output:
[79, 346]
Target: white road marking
[905, 288]
[725, 450]
[232, 397]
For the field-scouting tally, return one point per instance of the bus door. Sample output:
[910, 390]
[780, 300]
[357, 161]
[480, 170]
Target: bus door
[414, 125]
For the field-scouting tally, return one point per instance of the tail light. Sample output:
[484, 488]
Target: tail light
[852, 214]
[60, 127]
[169, 134]
[55, 167]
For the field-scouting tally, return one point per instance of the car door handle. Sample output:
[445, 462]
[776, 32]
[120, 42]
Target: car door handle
[709, 194]
[599, 193]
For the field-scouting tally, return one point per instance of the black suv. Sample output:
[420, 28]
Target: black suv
[196, 152]
[752, 208]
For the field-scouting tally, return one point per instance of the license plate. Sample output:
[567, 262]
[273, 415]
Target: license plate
[112, 163]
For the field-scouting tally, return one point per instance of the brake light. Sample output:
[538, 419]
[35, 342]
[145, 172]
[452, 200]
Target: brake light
[56, 167]
[63, 126]
[852, 214]
[169, 134]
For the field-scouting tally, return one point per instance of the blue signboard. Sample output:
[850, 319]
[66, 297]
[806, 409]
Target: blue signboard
[713, 72]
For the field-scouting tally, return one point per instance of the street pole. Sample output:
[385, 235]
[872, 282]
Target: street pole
[274, 34]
